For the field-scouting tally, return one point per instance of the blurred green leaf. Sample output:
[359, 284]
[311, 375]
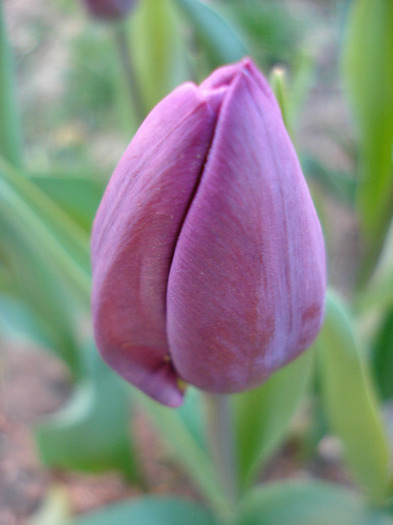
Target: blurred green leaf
[350, 401]
[149, 511]
[89, 84]
[339, 184]
[91, 432]
[10, 137]
[186, 443]
[192, 415]
[306, 503]
[382, 356]
[368, 75]
[270, 29]
[18, 321]
[50, 228]
[157, 49]
[78, 197]
[36, 281]
[262, 416]
[215, 35]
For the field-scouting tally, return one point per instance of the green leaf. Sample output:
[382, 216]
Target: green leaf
[339, 184]
[271, 29]
[350, 401]
[149, 510]
[10, 136]
[39, 285]
[186, 444]
[78, 197]
[262, 416]
[368, 75]
[19, 322]
[382, 357]
[91, 432]
[157, 48]
[306, 503]
[49, 226]
[216, 35]
[192, 415]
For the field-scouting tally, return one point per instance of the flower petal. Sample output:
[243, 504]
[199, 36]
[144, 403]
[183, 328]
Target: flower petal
[247, 281]
[135, 233]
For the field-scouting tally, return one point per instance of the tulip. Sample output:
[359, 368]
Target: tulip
[108, 9]
[208, 257]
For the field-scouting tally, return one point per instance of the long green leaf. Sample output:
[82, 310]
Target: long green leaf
[306, 503]
[351, 403]
[149, 511]
[215, 34]
[157, 48]
[263, 415]
[36, 281]
[91, 432]
[188, 451]
[382, 356]
[78, 197]
[10, 136]
[368, 74]
[50, 227]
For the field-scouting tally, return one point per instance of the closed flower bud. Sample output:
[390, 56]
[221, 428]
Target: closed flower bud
[208, 256]
[109, 9]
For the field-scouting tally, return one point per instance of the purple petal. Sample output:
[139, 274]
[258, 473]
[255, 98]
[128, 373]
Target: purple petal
[247, 281]
[109, 9]
[135, 233]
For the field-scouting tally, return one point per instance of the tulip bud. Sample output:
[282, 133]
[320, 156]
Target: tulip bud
[208, 256]
[108, 9]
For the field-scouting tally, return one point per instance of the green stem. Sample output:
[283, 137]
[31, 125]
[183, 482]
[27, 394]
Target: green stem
[128, 68]
[10, 136]
[221, 441]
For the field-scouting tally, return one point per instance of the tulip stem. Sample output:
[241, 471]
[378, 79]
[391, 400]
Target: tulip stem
[219, 426]
[127, 64]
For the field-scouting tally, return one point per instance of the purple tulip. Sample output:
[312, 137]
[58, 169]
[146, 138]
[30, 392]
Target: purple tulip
[108, 9]
[208, 256]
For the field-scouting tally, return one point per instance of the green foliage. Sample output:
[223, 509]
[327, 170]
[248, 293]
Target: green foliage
[368, 75]
[90, 87]
[149, 510]
[10, 135]
[91, 432]
[263, 415]
[181, 430]
[350, 401]
[306, 503]
[338, 184]
[216, 37]
[272, 33]
[78, 197]
[382, 356]
[157, 49]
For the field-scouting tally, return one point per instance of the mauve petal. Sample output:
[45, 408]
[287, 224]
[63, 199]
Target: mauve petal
[109, 9]
[247, 281]
[135, 233]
